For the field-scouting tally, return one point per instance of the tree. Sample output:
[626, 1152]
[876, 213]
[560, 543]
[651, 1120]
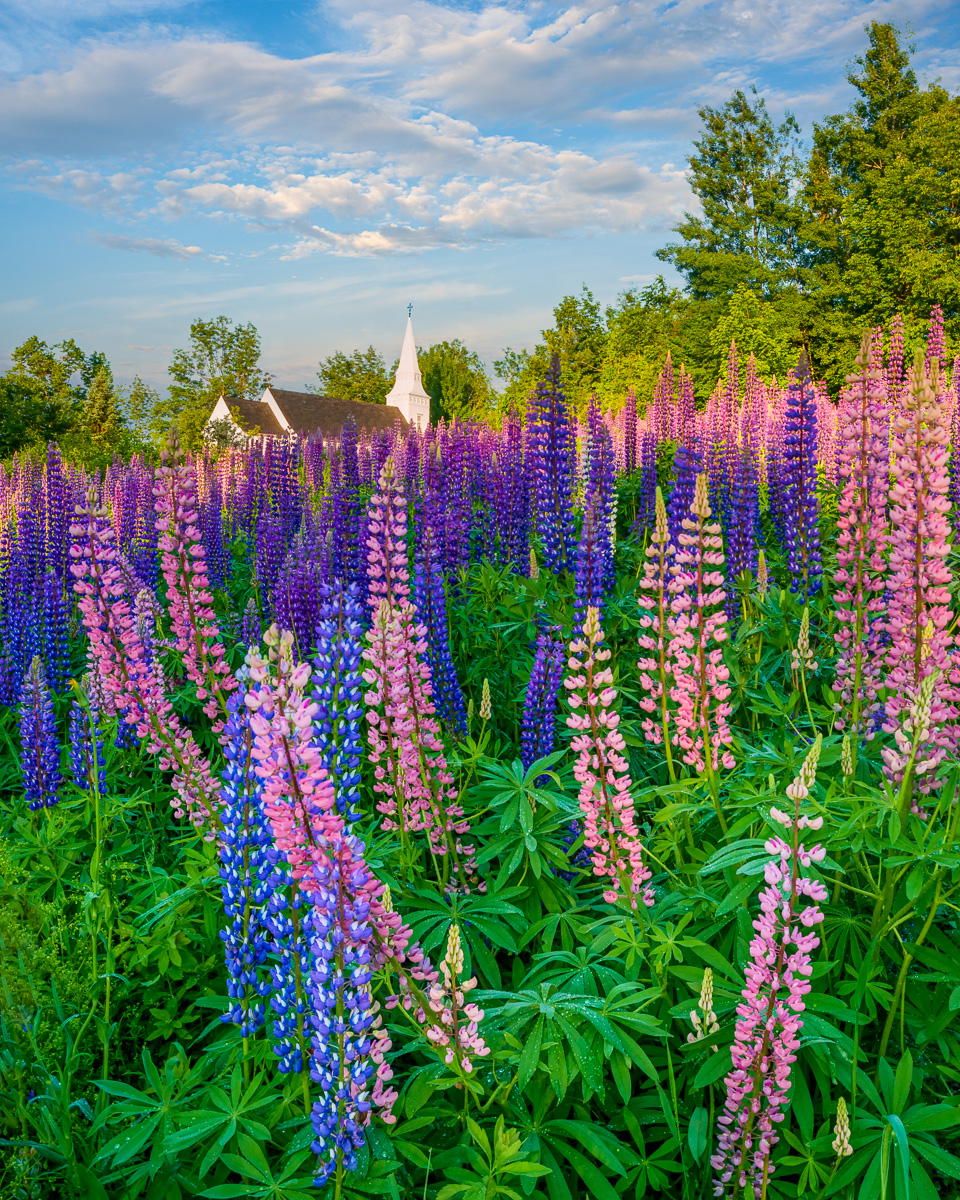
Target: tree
[577, 337]
[50, 368]
[28, 419]
[137, 405]
[456, 381]
[882, 193]
[744, 171]
[758, 329]
[642, 327]
[100, 431]
[221, 360]
[361, 375]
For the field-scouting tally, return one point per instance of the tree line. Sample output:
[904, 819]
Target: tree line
[795, 248]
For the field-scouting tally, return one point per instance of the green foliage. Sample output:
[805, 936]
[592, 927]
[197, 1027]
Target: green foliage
[361, 375]
[456, 381]
[756, 329]
[222, 359]
[743, 171]
[28, 419]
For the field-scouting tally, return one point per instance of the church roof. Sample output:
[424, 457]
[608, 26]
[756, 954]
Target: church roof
[254, 415]
[308, 413]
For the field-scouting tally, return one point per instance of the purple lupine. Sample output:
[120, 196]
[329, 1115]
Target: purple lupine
[271, 546]
[211, 516]
[629, 420]
[744, 533]
[295, 597]
[347, 559]
[687, 465]
[515, 482]
[935, 360]
[39, 748]
[601, 485]
[430, 601]
[55, 511]
[801, 530]
[250, 631]
[590, 577]
[87, 762]
[552, 458]
[55, 640]
[338, 691]
[342, 1013]
[538, 727]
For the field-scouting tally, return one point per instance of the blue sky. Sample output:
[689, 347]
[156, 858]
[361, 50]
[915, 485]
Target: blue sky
[312, 167]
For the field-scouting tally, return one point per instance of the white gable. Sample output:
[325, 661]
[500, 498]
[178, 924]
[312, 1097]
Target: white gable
[407, 393]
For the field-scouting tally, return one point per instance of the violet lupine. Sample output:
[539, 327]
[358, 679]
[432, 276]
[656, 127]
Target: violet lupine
[339, 692]
[343, 1014]
[87, 763]
[601, 485]
[55, 644]
[610, 830]
[552, 451]
[698, 628]
[589, 581]
[801, 529]
[687, 465]
[864, 471]
[919, 576]
[184, 567]
[248, 876]
[132, 683]
[653, 665]
[430, 601]
[768, 1026]
[538, 727]
[39, 747]
[250, 631]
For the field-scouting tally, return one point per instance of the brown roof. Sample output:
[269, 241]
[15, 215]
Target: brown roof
[253, 414]
[310, 413]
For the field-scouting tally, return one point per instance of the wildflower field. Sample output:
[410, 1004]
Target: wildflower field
[567, 809]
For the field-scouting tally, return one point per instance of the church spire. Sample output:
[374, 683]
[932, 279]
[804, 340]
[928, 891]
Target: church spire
[407, 393]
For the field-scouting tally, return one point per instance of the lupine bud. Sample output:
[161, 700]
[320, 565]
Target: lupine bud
[485, 708]
[841, 1143]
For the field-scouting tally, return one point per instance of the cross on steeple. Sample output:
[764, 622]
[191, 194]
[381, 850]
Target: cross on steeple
[409, 310]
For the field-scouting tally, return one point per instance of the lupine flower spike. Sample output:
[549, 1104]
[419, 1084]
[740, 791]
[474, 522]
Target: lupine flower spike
[610, 829]
[705, 1022]
[768, 1026]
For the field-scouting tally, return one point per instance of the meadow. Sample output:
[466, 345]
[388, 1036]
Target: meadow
[565, 809]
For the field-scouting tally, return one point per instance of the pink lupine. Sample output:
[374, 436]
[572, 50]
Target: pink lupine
[451, 1021]
[919, 576]
[184, 567]
[387, 567]
[410, 765]
[864, 470]
[609, 821]
[298, 796]
[653, 663]
[124, 670]
[698, 628]
[768, 1026]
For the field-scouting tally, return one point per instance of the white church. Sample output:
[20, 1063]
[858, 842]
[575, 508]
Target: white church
[285, 413]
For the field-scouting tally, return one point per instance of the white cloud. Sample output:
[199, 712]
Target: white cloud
[441, 125]
[161, 247]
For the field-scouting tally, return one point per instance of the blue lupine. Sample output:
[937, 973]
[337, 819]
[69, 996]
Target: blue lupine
[55, 638]
[250, 631]
[687, 465]
[601, 485]
[339, 692]
[429, 598]
[801, 532]
[538, 727]
[86, 748]
[745, 536]
[39, 747]
[590, 589]
[551, 450]
[248, 876]
[341, 1015]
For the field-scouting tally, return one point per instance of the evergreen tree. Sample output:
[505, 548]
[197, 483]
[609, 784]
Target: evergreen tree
[882, 192]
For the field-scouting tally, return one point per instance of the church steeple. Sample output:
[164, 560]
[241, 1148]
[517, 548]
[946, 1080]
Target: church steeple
[407, 393]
